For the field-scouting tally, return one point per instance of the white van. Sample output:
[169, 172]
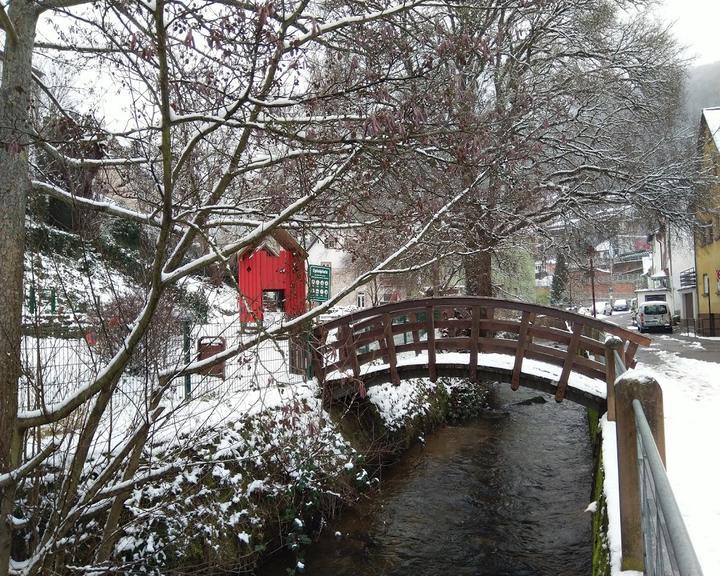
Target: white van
[654, 315]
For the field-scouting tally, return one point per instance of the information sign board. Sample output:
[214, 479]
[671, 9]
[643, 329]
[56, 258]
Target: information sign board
[319, 285]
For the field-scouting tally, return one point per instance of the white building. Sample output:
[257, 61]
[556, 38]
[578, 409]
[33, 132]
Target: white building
[672, 272]
[327, 250]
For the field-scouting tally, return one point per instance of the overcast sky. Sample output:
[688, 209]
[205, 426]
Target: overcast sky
[697, 26]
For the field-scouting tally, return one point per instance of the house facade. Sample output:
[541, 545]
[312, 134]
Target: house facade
[672, 271]
[707, 233]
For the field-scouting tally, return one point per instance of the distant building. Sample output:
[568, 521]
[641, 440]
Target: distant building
[671, 272]
[329, 248]
[326, 249]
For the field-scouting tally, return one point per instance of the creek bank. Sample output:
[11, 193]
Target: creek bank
[267, 475]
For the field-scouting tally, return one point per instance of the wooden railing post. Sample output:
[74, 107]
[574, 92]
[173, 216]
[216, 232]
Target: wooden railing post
[572, 350]
[390, 344]
[432, 367]
[613, 344]
[317, 340]
[523, 340]
[348, 351]
[629, 387]
[474, 335]
[415, 333]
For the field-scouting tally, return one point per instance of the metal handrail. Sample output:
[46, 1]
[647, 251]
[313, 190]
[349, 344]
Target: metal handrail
[668, 549]
[620, 367]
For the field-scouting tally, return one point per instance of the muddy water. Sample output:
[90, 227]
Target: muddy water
[504, 495]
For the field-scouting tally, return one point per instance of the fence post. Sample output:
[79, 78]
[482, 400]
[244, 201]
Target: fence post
[630, 387]
[31, 299]
[188, 355]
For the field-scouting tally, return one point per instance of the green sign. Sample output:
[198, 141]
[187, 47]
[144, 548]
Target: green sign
[319, 288]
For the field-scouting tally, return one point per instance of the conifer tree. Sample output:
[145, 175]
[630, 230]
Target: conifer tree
[558, 289]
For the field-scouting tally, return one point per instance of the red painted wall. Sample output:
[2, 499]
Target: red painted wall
[262, 271]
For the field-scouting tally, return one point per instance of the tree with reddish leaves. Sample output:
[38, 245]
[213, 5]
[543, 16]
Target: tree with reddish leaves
[551, 111]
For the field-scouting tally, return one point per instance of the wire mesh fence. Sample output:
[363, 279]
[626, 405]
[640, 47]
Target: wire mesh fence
[55, 367]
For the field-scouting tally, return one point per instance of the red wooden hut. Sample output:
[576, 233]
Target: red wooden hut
[271, 277]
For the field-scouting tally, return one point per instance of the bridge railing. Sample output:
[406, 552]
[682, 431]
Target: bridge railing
[654, 537]
[474, 325]
[667, 545]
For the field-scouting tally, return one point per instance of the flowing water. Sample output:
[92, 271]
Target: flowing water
[503, 495]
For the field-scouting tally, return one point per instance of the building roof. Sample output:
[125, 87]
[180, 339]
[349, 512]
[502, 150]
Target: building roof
[283, 238]
[712, 119]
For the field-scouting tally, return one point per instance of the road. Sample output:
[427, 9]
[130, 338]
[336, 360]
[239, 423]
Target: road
[706, 349]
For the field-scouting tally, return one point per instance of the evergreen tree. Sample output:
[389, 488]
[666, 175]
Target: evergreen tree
[558, 289]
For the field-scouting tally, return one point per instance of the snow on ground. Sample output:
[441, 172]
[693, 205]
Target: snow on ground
[691, 402]
[259, 381]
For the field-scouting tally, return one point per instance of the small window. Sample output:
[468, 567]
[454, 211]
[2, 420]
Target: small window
[361, 300]
[332, 242]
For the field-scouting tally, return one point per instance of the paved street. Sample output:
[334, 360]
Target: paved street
[707, 349]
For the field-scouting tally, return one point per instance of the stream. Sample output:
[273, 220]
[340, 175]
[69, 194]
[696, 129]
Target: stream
[501, 495]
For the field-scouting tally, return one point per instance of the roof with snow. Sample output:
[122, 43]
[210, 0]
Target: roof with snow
[277, 237]
[712, 119]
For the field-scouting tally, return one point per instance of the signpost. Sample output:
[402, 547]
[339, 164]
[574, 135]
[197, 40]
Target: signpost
[319, 286]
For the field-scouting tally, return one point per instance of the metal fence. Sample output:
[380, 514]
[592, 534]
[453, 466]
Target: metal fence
[54, 367]
[667, 546]
[700, 327]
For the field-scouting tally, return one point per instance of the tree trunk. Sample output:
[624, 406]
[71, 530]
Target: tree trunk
[478, 274]
[15, 135]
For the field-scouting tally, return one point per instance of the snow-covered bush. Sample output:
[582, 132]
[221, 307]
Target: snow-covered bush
[249, 483]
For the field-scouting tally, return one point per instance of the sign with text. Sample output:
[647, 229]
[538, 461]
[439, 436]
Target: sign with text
[319, 285]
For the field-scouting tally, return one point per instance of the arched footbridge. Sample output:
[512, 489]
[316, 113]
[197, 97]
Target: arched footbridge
[526, 344]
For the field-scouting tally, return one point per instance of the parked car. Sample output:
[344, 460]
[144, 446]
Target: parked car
[654, 315]
[621, 305]
[603, 308]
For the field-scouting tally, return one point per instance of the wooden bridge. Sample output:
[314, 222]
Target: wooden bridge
[417, 338]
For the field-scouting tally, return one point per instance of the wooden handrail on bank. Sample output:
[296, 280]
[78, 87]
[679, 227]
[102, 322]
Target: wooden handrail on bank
[474, 325]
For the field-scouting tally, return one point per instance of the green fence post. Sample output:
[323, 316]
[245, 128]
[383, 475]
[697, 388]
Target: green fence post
[31, 299]
[188, 357]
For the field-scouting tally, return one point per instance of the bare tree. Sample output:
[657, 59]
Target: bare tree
[230, 133]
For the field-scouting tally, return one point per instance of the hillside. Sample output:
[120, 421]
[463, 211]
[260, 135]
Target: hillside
[702, 90]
